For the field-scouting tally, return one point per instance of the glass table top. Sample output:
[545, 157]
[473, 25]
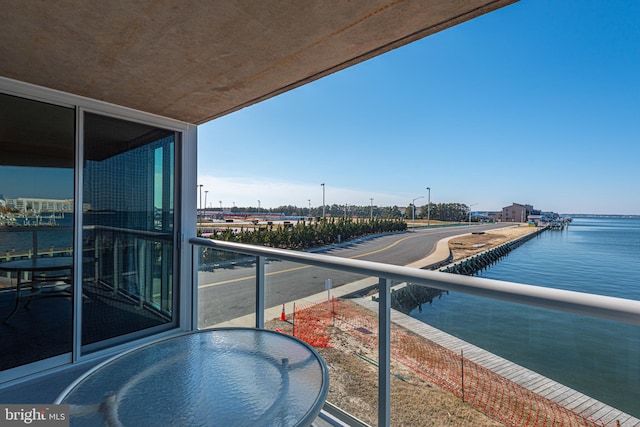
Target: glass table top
[226, 377]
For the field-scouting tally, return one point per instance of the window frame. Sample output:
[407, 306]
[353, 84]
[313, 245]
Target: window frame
[185, 161]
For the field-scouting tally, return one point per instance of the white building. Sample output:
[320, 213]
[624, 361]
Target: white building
[24, 204]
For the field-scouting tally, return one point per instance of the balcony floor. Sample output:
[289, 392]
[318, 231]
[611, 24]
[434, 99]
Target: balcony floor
[46, 323]
[44, 388]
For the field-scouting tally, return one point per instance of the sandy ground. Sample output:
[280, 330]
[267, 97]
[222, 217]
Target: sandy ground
[471, 244]
[414, 400]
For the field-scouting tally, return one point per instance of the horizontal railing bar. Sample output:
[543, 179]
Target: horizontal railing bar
[159, 235]
[605, 307]
[28, 228]
[40, 228]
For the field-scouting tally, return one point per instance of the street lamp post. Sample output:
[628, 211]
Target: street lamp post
[413, 213]
[473, 204]
[324, 207]
[200, 185]
[371, 216]
[429, 207]
[205, 201]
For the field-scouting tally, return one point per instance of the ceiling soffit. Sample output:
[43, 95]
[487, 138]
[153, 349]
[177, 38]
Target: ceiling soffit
[197, 60]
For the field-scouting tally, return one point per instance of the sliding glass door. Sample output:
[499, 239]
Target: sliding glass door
[37, 141]
[88, 229]
[128, 230]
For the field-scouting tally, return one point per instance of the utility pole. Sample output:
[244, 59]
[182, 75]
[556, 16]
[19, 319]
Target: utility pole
[371, 216]
[200, 185]
[429, 207]
[413, 211]
[324, 207]
[473, 204]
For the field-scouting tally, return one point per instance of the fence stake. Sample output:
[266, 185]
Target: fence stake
[462, 360]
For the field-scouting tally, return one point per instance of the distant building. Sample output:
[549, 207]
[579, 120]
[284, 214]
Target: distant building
[23, 204]
[494, 216]
[517, 213]
[550, 216]
[536, 220]
[486, 216]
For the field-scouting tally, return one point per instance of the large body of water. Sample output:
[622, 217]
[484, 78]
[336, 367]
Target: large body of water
[60, 237]
[597, 357]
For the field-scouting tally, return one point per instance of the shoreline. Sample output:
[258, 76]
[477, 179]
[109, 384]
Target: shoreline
[458, 248]
[439, 255]
[583, 405]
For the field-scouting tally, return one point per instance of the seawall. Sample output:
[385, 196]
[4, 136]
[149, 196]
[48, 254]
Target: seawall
[471, 265]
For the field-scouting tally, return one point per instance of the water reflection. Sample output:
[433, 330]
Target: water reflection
[36, 217]
[410, 297]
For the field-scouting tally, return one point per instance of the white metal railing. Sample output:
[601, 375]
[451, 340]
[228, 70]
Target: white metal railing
[605, 307]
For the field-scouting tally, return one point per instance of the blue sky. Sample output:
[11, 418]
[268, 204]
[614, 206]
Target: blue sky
[46, 183]
[537, 103]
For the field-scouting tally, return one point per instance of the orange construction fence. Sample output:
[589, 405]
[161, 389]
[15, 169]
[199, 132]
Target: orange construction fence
[487, 391]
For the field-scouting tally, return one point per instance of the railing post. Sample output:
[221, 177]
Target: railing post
[117, 267]
[34, 242]
[384, 352]
[259, 292]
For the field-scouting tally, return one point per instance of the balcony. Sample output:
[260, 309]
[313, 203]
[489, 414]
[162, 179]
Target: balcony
[278, 284]
[253, 286]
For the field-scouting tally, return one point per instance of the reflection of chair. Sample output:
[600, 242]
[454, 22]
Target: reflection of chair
[55, 285]
[50, 277]
[49, 285]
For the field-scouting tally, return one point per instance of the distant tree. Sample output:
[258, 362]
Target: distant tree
[448, 211]
[305, 235]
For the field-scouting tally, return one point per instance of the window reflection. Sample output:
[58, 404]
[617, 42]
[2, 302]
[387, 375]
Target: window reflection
[127, 228]
[36, 230]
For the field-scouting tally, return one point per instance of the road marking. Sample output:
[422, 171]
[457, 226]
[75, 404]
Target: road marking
[385, 248]
[240, 279]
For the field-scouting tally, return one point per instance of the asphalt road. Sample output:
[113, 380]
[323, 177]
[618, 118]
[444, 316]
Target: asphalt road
[228, 292]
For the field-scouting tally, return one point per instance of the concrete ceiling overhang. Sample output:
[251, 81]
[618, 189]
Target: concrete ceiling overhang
[195, 60]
